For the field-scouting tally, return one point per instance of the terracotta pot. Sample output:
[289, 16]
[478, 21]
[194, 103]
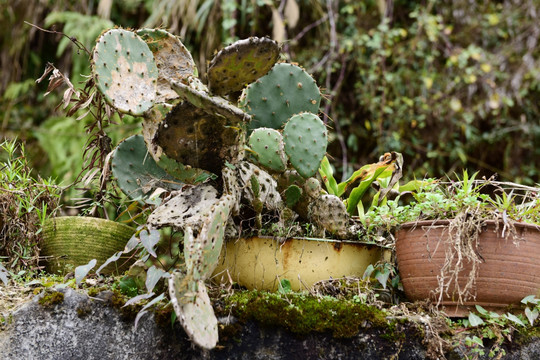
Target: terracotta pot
[70, 241]
[262, 262]
[507, 274]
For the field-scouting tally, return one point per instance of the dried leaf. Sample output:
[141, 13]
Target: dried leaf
[82, 271]
[292, 13]
[278, 32]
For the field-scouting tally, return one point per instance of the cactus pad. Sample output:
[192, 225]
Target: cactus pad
[194, 138]
[137, 173]
[329, 212]
[173, 60]
[286, 90]
[305, 138]
[241, 63]
[267, 186]
[267, 144]
[125, 71]
[210, 104]
[292, 194]
[187, 209]
[202, 252]
[196, 316]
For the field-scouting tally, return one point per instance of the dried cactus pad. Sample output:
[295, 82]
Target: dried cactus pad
[285, 91]
[125, 71]
[241, 63]
[197, 316]
[173, 60]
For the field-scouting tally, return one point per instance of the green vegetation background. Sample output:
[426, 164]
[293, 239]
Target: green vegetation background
[450, 84]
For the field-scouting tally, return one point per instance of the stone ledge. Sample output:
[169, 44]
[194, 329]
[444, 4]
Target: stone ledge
[81, 327]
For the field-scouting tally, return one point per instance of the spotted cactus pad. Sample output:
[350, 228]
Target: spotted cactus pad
[125, 71]
[241, 63]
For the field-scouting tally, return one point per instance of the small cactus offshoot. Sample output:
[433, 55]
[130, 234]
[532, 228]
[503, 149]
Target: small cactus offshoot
[267, 145]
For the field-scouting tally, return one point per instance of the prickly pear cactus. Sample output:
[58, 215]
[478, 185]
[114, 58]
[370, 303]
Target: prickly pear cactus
[194, 310]
[292, 195]
[241, 63]
[195, 138]
[186, 209]
[202, 252]
[286, 90]
[305, 139]
[125, 71]
[173, 60]
[267, 146]
[267, 188]
[138, 174]
[194, 93]
[329, 212]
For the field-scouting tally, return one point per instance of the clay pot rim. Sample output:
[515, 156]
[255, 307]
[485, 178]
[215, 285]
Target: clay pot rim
[421, 223]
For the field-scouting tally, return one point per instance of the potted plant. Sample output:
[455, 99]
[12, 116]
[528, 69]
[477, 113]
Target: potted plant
[210, 161]
[472, 242]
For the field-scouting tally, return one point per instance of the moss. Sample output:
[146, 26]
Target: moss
[302, 314]
[51, 299]
[83, 310]
[118, 301]
[163, 316]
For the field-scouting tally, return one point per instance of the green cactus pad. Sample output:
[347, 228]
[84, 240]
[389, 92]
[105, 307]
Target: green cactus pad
[202, 252]
[241, 63]
[305, 139]
[125, 71]
[196, 316]
[194, 138]
[137, 173]
[189, 208]
[267, 144]
[292, 194]
[286, 90]
[210, 104]
[173, 60]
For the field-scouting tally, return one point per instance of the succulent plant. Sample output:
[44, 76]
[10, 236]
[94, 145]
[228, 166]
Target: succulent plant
[305, 139]
[329, 213]
[138, 174]
[194, 310]
[268, 148]
[285, 91]
[173, 61]
[240, 64]
[125, 71]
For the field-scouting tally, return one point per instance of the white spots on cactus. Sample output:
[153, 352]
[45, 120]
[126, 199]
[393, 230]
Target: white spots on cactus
[186, 209]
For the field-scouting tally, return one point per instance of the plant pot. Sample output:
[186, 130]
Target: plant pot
[70, 241]
[262, 262]
[506, 274]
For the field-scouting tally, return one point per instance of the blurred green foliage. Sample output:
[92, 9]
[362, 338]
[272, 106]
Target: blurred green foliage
[449, 85]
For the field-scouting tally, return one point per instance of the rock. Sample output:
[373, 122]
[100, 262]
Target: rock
[83, 327]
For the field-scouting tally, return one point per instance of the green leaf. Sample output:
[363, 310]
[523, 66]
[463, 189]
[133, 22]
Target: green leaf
[382, 277]
[327, 175]
[531, 299]
[532, 315]
[82, 271]
[369, 270]
[284, 286]
[475, 320]
[153, 275]
[514, 318]
[358, 192]
[149, 239]
[481, 310]
[113, 258]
